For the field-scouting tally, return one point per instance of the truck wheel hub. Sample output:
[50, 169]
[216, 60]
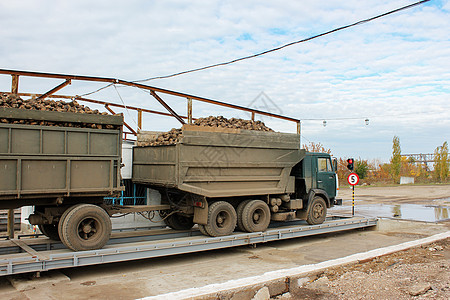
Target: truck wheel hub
[256, 217]
[87, 229]
[87, 226]
[318, 211]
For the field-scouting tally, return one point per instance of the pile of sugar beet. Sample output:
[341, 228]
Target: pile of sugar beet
[173, 136]
[14, 101]
[167, 138]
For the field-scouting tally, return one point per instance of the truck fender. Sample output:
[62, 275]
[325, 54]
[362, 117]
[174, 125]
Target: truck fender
[302, 213]
[319, 192]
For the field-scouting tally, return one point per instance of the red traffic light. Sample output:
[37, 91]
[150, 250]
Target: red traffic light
[350, 162]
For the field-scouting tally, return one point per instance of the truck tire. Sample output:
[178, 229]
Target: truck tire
[179, 222]
[85, 227]
[221, 219]
[239, 211]
[50, 231]
[256, 216]
[202, 229]
[61, 222]
[317, 211]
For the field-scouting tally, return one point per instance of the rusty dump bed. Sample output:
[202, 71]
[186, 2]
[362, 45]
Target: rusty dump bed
[221, 162]
[48, 161]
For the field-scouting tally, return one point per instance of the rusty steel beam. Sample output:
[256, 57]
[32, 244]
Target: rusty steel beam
[139, 120]
[189, 110]
[126, 107]
[55, 89]
[174, 114]
[169, 92]
[124, 123]
[15, 84]
[145, 87]
[57, 76]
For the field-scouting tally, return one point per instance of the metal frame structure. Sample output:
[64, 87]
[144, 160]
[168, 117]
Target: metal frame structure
[37, 255]
[424, 158]
[154, 91]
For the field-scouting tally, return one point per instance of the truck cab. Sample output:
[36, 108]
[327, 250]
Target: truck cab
[315, 175]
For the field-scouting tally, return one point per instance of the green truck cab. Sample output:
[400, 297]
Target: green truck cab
[317, 184]
[316, 173]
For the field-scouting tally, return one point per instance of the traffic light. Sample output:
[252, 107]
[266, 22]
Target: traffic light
[350, 162]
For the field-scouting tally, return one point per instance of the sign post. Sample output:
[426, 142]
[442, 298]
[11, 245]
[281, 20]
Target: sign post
[353, 180]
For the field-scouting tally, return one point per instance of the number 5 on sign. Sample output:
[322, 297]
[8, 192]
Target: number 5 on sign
[353, 179]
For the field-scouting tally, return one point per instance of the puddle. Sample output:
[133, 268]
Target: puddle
[398, 211]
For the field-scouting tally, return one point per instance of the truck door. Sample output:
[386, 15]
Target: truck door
[326, 177]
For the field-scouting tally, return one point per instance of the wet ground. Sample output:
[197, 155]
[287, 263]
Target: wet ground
[416, 203]
[405, 211]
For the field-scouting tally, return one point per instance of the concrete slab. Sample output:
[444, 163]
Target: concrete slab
[30, 281]
[218, 291]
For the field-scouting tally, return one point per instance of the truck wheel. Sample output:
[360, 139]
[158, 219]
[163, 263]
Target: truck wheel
[221, 219]
[256, 216]
[239, 210]
[179, 222]
[85, 227]
[50, 231]
[61, 222]
[202, 229]
[317, 211]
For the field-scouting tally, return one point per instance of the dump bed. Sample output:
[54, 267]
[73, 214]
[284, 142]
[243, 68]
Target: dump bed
[51, 161]
[215, 162]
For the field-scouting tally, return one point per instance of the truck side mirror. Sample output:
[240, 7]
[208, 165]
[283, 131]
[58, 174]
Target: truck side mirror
[335, 165]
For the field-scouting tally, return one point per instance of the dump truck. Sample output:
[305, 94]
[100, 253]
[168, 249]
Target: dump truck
[221, 179]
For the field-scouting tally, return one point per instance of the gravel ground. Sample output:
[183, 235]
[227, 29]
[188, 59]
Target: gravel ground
[417, 273]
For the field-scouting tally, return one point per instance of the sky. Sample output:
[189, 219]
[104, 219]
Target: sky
[394, 71]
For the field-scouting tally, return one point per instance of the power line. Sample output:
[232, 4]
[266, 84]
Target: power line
[286, 45]
[123, 102]
[371, 117]
[97, 90]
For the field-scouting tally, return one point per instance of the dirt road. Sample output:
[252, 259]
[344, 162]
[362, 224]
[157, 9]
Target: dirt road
[412, 194]
[417, 273]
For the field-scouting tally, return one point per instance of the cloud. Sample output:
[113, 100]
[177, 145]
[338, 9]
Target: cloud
[398, 65]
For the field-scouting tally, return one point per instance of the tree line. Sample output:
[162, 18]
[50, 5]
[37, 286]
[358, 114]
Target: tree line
[374, 171]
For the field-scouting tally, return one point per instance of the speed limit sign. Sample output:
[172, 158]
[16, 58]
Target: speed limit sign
[353, 179]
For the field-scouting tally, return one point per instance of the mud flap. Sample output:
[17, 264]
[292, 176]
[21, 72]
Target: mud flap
[201, 214]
